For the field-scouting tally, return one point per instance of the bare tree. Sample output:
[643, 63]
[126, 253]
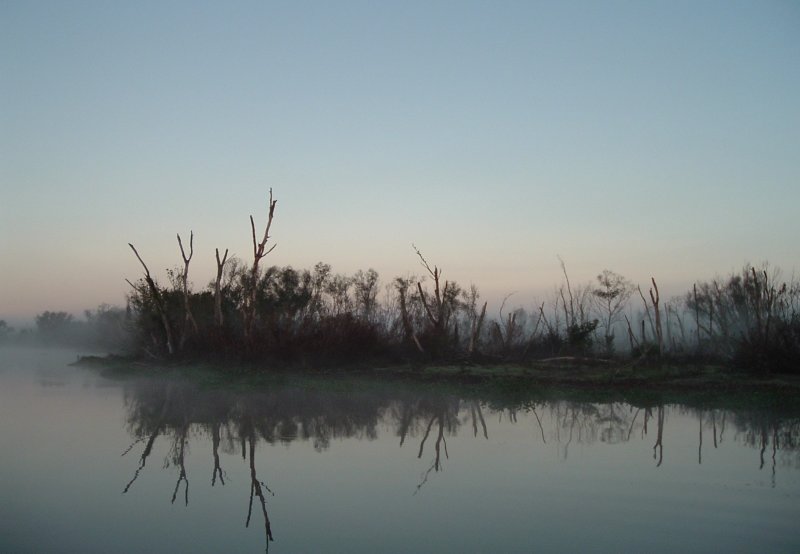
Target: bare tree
[218, 288]
[576, 313]
[259, 251]
[439, 308]
[508, 328]
[647, 313]
[189, 321]
[654, 298]
[535, 332]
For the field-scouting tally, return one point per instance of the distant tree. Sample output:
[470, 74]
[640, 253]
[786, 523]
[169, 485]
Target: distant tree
[506, 331]
[611, 294]
[108, 326]
[752, 319]
[475, 318]
[5, 330]
[53, 326]
[365, 284]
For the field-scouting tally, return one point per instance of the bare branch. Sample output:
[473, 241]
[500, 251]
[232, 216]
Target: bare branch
[135, 287]
[218, 288]
[569, 291]
[146, 271]
[253, 229]
[249, 310]
[425, 304]
[191, 247]
[434, 272]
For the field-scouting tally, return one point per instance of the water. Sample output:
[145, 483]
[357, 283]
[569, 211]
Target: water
[100, 464]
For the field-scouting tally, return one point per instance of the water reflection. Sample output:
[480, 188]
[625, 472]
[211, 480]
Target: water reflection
[423, 420]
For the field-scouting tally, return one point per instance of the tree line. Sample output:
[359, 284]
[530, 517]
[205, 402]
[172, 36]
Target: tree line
[253, 311]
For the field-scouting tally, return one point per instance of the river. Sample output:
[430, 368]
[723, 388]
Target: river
[93, 462]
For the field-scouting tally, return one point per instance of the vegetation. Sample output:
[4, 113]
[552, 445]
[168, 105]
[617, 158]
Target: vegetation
[315, 317]
[105, 328]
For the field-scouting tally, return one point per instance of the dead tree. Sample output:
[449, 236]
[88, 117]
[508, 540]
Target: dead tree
[188, 321]
[218, 288]
[507, 329]
[535, 331]
[155, 294]
[696, 316]
[259, 251]
[438, 309]
[631, 337]
[569, 312]
[654, 298]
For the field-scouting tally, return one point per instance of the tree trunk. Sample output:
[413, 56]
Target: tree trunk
[217, 288]
[189, 321]
[154, 292]
[258, 253]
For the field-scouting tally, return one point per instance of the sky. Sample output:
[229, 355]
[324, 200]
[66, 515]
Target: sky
[655, 139]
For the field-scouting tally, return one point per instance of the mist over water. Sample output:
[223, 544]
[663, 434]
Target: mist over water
[167, 463]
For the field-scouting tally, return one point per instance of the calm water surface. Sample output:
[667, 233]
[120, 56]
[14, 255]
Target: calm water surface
[95, 464]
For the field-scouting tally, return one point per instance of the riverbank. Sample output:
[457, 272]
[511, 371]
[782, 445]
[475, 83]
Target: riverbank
[579, 379]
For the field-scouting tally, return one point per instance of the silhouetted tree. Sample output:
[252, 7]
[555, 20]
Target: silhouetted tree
[189, 322]
[259, 251]
[439, 307]
[611, 294]
[157, 300]
[218, 317]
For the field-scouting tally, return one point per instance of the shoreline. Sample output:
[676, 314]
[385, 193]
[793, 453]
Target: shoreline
[605, 380]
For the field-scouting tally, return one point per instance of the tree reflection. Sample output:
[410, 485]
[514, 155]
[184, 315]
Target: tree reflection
[141, 422]
[257, 488]
[659, 445]
[178, 458]
[215, 441]
[445, 416]
[181, 412]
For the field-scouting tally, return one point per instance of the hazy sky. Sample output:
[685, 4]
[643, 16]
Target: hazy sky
[650, 138]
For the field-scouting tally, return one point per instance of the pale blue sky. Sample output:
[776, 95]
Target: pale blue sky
[651, 138]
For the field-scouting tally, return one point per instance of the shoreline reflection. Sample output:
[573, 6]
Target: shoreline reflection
[422, 420]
